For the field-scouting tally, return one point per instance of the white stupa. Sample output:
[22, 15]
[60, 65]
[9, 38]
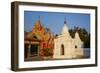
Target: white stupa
[67, 47]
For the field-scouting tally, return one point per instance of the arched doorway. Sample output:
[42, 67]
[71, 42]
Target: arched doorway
[62, 49]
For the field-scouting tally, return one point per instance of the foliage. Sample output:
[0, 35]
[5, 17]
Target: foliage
[47, 52]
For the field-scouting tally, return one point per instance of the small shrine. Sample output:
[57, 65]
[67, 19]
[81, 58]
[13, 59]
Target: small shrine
[67, 47]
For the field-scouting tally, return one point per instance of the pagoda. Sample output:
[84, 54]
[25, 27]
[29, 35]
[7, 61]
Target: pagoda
[66, 46]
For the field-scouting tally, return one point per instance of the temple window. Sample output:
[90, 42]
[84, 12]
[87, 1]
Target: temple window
[62, 49]
[75, 46]
[34, 37]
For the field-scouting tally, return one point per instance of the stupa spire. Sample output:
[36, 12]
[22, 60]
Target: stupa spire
[65, 29]
[77, 36]
[65, 20]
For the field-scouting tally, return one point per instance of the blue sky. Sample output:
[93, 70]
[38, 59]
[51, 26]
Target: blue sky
[55, 20]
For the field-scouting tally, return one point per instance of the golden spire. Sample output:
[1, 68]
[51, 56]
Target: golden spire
[39, 19]
[37, 25]
[38, 22]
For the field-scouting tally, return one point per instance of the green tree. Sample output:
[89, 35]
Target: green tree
[47, 52]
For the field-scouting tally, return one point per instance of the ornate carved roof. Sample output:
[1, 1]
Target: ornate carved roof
[39, 32]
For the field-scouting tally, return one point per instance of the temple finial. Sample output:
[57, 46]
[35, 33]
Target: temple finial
[65, 21]
[39, 18]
